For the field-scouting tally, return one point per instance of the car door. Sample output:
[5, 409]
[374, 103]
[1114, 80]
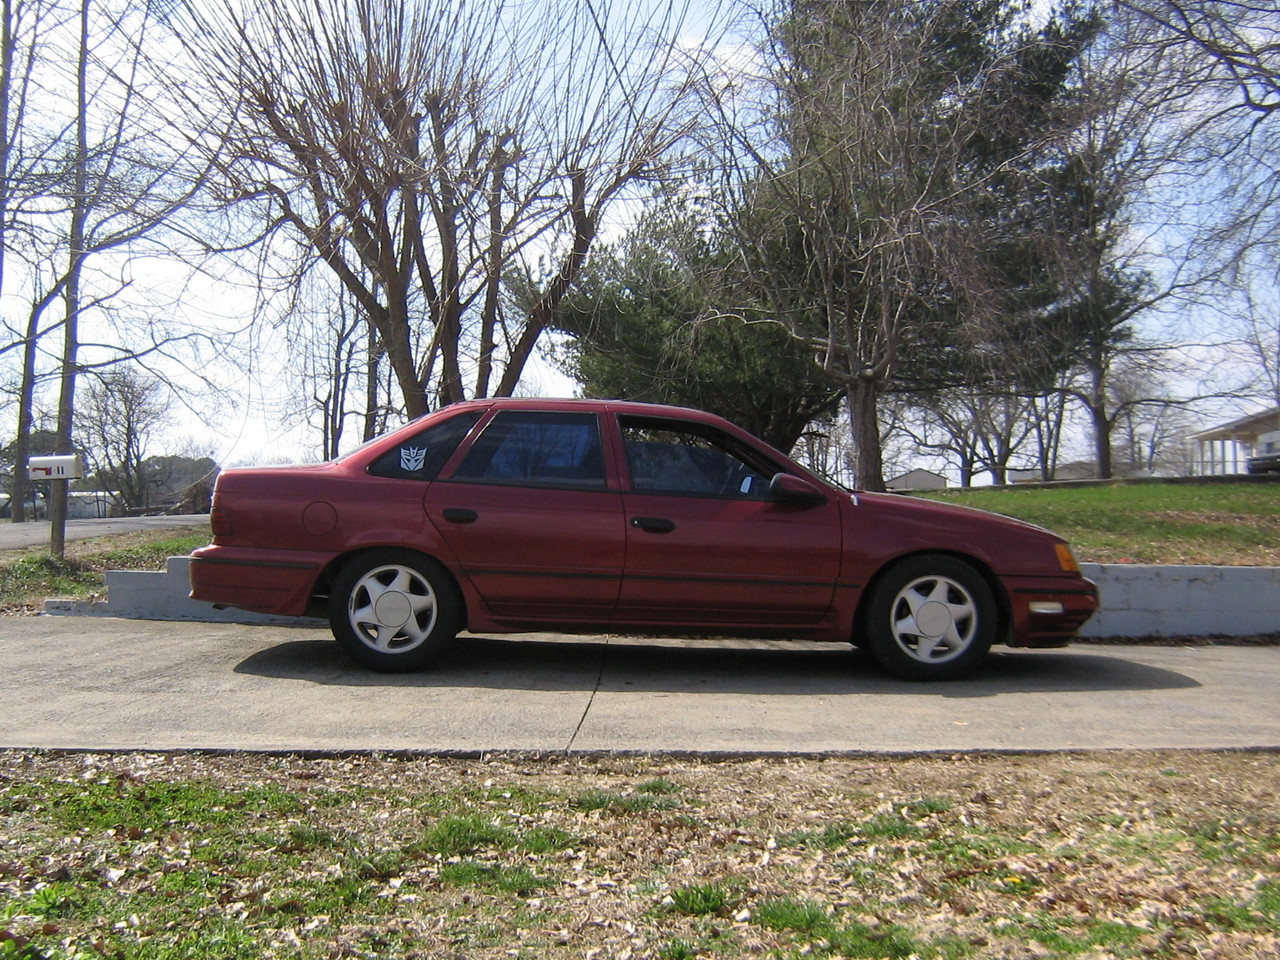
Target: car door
[531, 519]
[707, 544]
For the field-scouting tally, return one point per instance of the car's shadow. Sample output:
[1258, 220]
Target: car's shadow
[586, 664]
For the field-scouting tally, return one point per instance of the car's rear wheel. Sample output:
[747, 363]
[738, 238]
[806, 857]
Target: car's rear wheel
[394, 610]
[932, 617]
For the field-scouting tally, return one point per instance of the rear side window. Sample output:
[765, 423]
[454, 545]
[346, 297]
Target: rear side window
[537, 449]
[421, 456]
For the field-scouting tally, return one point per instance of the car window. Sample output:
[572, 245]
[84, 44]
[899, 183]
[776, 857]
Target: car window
[537, 449]
[666, 458]
[421, 456]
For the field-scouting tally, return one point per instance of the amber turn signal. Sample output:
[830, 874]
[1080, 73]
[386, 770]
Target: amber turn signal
[1066, 559]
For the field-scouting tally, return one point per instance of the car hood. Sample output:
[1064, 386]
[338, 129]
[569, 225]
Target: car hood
[1006, 545]
[949, 513]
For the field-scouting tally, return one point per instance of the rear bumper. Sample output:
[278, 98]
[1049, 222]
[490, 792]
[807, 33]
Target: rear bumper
[265, 581]
[1049, 611]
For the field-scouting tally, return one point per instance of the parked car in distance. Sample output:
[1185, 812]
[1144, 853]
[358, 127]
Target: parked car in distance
[587, 516]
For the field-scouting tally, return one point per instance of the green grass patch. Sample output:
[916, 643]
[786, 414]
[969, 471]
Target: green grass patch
[890, 826]
[492, 876]
[704, 899]
[1066, 939]
[1214, 523]
[457, 835]
[679, 950]
[541, 841]
[1261, 913]
[831, 837]
[28, 577]
[461, 834]
[862, 941]
[802, 915]
[133, 808]
[659, 787]
[615, 802]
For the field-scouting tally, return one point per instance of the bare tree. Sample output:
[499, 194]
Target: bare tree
[1145, 245]
[1240, 39]
[335, 371]
[1232, 97]
[122, 410]
[975, 429]
[1148, 431]
[27, 157]
[1256, 315]
[116, 181]
[426, 151]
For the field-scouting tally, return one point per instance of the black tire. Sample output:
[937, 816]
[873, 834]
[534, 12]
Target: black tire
[931, 617]
[394, 610]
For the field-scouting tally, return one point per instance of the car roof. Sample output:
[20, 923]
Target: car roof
[638, 407]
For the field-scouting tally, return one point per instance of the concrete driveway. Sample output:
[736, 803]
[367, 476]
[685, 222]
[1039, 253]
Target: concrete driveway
[104, 683]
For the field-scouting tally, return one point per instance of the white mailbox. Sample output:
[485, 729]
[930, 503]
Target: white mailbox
[66, 467]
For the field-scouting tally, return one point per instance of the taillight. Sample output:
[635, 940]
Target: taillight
[220, 522]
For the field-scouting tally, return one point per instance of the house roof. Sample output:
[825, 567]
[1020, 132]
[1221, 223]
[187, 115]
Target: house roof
[1245, 429]
[917, 479]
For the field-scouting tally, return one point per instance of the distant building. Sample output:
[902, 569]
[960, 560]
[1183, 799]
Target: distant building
[917, 480]
[88, 504]
[1076, 470]
[1227, 449]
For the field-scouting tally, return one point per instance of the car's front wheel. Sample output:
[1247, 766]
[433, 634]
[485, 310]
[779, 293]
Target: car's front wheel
[394, 610]
[931, 618]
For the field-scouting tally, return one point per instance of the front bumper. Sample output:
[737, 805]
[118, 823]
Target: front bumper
[1049, 611]
[279, 582]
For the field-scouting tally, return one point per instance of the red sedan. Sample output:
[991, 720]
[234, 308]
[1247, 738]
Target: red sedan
[584, 515]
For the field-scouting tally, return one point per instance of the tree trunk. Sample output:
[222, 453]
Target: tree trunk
[1101, 441]
[71, 328]
[869, 465]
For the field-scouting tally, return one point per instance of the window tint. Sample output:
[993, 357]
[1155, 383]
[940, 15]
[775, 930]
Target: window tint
[537, 449]
[421, 457]
[665, 458]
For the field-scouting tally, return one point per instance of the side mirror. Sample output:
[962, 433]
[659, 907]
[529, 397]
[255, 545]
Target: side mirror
[788, 488]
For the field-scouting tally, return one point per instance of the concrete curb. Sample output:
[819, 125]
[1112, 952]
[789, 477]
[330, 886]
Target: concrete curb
[162, 595]
[1137, 600]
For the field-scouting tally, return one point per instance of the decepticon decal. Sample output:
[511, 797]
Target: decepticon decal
[412, 458]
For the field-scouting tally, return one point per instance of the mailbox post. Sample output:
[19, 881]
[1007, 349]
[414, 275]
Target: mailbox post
[58, 469]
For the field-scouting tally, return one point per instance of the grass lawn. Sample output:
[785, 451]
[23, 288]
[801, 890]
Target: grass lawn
[30, 576]
[1113, 855]
[1233, 524]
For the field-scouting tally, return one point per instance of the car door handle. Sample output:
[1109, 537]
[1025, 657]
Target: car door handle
[460, 515]
[653, 524]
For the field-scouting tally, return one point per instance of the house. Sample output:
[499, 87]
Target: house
[917, 480]
[1226, 449]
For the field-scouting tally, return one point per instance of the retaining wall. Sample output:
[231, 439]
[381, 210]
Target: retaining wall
[1137, 600]
[1183, 601]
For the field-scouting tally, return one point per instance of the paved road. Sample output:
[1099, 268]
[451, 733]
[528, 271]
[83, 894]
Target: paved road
[106, 683]
[36, 532]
